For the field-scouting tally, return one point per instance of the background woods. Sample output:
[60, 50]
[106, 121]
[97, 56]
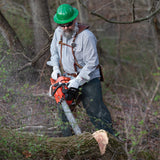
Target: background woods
[128, 34]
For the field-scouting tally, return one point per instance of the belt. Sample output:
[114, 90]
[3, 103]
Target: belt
[72, 74]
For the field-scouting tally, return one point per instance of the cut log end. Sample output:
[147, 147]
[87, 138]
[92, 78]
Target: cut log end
[102, 139]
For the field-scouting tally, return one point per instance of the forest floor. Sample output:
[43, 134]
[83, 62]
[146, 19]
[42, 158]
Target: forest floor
[29, 106]
[138, 130]
[25, 105]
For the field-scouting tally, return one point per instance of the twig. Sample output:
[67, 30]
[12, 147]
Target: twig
[37, 57]
[154, 94]
[2, 59]
[104, 5]
[25, 66]
[42, 95]
[19, 53]
[31, 128]
[122, 22]
[133, 11]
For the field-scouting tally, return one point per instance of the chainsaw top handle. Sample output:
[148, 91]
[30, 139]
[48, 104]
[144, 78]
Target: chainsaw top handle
[58, 85]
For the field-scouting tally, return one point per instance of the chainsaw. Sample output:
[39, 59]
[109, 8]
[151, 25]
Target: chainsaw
[65, 96]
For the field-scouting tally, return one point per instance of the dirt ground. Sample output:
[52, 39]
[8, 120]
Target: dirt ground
[29, 108]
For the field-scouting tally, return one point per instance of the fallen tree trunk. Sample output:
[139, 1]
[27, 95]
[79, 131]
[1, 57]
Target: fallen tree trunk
[100, 145]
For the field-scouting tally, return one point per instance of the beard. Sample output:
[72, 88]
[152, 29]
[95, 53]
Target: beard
[68, 33]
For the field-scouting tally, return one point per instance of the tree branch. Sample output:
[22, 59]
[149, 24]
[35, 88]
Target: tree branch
[15, 8]
[22, 53]
[25, 66]
[38, 55]
[122, 22]
[2, 59]
[133, 11]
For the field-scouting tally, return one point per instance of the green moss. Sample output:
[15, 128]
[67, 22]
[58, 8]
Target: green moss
[146, 155]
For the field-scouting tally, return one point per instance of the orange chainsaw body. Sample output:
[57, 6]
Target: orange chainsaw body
[59, 95]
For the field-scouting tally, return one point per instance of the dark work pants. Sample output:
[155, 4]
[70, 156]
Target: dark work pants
[93, 103]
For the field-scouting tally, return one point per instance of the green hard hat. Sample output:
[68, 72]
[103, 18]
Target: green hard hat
[65, 14]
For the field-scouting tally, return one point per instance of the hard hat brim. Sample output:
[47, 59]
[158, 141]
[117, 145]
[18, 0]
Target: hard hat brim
[59, 21]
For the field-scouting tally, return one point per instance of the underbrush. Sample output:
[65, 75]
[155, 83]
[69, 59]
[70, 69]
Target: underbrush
[25, 102]
[131, 92]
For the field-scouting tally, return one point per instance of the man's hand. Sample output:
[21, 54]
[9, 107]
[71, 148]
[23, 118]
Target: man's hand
[56, 73]
[76, 82]
[71, 94]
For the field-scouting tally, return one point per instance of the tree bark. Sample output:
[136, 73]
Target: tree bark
[85, 146]
[42, 27]
[83, 15]
[155, 27]
[10, 35]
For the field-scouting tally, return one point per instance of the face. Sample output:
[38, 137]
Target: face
[68, 29]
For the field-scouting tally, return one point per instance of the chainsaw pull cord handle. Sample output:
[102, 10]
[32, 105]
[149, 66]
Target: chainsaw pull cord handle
[50, 90]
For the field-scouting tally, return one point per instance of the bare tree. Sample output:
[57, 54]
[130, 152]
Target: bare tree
[10, 35]
[42, 26]
[137, 20]
[118, 49]
[42, 34]
[155, 27]
[83, 17]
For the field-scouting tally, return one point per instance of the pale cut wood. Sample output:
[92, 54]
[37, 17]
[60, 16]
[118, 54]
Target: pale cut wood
[102, 139]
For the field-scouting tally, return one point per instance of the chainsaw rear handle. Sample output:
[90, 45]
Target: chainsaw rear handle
[70, 93]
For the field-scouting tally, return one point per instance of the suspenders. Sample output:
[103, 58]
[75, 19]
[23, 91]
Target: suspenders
[81, 28]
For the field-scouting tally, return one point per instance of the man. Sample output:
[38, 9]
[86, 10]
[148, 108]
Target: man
[74, 49]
